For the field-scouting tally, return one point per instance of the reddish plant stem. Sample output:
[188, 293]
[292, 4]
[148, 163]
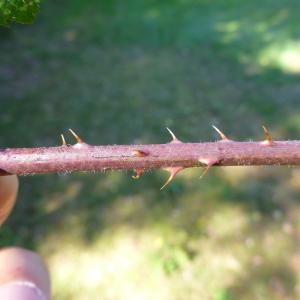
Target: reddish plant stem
[84, 157]
[172, 157]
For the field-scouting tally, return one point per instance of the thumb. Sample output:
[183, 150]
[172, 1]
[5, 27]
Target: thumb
[8, 193]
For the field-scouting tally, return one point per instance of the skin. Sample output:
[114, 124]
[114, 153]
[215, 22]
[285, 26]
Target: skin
[17, 264]
[8, 193]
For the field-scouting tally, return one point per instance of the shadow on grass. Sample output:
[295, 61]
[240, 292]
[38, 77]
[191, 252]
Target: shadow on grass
[99, 200]
[276, 275]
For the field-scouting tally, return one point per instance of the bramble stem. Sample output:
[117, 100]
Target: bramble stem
[96, 158]
[172, 156]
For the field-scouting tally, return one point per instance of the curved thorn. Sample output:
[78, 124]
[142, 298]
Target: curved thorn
[139, 153]
[167, 182]
[63, 140]
[223, 136]
[209, 162]
[172, 134]
[78, 139]
[268, 138]
[206, 169]
[174, 138]
[138, 173]
[173, 172]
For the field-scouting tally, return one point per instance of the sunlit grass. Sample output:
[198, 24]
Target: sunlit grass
[162, 259]
[285, 56]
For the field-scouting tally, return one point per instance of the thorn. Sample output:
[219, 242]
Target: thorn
[63, 140]
[268, 138]
[173, 172]
[206, 169]
[209, 162]
[78, 139]
[223, 136]
[139, 153]
[174, 138]
[138, 173]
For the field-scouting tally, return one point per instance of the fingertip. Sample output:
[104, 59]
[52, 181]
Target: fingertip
[23, 270]
[21, 290]
[8, 193]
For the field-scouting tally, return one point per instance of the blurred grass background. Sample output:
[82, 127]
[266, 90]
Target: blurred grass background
[119, 72]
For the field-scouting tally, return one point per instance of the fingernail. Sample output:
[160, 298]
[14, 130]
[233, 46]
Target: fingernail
[21, 290]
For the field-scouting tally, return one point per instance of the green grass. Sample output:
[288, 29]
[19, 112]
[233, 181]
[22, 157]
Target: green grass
[119, 72]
